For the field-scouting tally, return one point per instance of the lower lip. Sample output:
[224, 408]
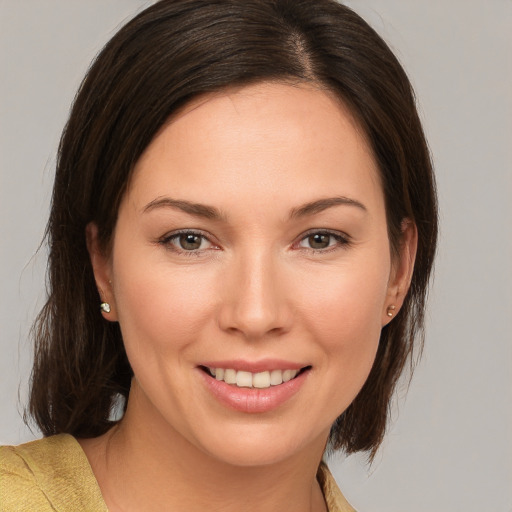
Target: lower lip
[253, 400]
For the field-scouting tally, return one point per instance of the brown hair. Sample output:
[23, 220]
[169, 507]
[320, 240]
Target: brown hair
[170, 53]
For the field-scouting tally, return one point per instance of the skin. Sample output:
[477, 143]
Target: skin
[255, 288]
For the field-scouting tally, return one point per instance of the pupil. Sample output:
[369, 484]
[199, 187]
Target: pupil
[319, 241]
[190, 242]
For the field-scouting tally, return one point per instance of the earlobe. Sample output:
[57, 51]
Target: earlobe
[101, 267]
[402, 270]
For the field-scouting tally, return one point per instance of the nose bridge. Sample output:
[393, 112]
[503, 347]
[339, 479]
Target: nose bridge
[255, 301]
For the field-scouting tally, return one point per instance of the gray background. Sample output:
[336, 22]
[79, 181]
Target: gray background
[450, 446]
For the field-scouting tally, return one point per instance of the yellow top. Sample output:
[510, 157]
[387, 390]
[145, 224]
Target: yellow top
[53, 474]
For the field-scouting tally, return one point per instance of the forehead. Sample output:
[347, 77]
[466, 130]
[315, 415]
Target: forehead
[270, 137]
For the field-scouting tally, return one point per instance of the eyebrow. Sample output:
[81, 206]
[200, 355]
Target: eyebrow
[212, 213]
[322, 204]
[196, 209]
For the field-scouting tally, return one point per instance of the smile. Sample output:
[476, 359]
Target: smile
[253, 387]
[245, 379]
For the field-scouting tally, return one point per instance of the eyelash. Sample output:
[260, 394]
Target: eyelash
[342, 241]
[167, 240]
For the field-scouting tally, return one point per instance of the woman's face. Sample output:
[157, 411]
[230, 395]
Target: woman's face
[251, 247]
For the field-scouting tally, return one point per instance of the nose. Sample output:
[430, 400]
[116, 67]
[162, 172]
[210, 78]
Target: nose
[255, 303]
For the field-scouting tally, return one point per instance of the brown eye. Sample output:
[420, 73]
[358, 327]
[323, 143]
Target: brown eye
[319, 240]
[190, 241]
[323, 240]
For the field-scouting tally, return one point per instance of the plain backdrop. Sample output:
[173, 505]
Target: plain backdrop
[450, 444]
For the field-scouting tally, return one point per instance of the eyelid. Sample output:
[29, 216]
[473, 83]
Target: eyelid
[166, 240]
[343, 239]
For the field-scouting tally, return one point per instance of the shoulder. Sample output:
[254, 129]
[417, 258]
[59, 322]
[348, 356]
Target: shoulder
[334, 499]
[47, 475]
[18, 489]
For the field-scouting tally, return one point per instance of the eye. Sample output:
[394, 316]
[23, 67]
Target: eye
[322, 240]
[187, 241]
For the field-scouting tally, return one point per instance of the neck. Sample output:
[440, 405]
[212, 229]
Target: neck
[143, 465]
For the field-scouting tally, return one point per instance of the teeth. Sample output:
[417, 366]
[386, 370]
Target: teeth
[276, 377]
[288, 375]
[244, 379]
[230, 376]
[261, 380]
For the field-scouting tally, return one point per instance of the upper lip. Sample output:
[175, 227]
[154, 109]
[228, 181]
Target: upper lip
[262, 365]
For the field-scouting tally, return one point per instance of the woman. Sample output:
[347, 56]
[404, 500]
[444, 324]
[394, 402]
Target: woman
[242, 231]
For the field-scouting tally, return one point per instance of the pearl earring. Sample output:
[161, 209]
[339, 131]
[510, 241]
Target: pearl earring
[390, 310]
[105, 307]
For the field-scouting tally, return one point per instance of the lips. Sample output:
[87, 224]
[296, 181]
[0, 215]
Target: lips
[253, 388]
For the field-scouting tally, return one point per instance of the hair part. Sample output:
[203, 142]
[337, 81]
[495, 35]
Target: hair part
[171, 53]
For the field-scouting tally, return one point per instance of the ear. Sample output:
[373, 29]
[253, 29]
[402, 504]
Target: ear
[102, 268]
[401, 271]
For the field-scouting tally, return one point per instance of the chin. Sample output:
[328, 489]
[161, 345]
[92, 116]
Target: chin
[251, 455]
[261, 445]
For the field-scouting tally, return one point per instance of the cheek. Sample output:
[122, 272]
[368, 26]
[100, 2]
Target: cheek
[346, 326]
[160, 306]
[344, 310]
